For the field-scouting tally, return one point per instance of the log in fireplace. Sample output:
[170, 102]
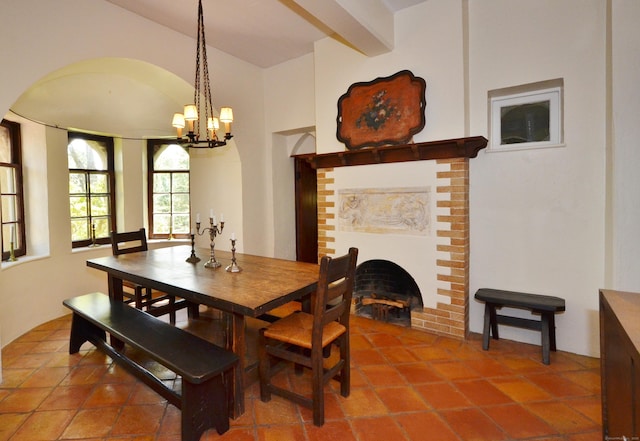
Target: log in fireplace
[385, 291]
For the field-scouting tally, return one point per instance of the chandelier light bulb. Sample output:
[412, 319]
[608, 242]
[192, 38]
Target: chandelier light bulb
[178, 123]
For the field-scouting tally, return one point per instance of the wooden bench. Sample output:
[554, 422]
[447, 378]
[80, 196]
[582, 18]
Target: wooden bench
[202, 365]
[546, 306]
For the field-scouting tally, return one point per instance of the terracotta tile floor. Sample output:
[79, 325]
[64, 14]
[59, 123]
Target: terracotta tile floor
[406, 385]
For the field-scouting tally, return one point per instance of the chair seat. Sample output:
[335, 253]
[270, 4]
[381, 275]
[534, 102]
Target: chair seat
[296, 329]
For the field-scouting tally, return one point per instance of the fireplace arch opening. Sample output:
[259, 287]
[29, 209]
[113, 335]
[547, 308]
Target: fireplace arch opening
[384, 291]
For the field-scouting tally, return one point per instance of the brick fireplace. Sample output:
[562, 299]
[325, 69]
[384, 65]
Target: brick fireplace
[438, 258]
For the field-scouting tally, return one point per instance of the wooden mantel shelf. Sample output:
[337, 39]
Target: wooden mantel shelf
[450, 148]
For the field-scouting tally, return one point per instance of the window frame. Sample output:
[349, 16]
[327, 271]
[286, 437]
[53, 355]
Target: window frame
[109, 143]
[15, 140]
[550, 91]
[152, 144]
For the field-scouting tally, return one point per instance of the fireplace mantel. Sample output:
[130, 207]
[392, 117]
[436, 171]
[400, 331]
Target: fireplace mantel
[450, 148]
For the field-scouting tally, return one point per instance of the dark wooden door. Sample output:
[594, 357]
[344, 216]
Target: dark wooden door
[306, 212]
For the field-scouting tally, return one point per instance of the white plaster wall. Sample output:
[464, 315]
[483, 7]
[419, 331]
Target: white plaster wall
[537, 216]
[289, 98]
[131, 176]
[625, 192]
[216, 184]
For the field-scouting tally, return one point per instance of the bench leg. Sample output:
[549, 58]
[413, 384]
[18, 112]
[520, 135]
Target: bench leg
[546, 334]
[486, 329]
[83, 331]
[490, 325]
[548, 330]
[204, 406]
[552, 331]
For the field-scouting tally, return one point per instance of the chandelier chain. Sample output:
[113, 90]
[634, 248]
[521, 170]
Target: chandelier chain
[202, 111]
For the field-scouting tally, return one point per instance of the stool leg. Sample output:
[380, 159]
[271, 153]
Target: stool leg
[494, 321]
[545, 338]
[486, 328]
[552, 331]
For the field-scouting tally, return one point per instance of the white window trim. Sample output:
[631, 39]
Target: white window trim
[519, 95]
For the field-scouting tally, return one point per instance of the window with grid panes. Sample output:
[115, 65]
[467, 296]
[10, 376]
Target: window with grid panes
[169, 190]
[91, 188]
[12, 233]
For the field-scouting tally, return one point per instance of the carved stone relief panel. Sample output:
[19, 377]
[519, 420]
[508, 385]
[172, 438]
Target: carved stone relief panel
[385, 210]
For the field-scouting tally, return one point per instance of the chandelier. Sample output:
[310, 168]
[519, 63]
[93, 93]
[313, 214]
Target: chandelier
[202, 109]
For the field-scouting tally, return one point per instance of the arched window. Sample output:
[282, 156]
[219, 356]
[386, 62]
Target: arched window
[12, 233]
[169, 191]
[91, 188]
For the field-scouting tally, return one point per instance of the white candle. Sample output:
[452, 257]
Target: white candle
[233, 236]
[198, 218]
[12, 234]
[215, 222]
[193, 233]
[211, 213]
[221, 217]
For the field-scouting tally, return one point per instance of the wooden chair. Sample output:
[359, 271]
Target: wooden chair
[144, 298]
[302, 337]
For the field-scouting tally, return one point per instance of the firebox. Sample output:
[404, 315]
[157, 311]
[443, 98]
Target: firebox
[385, 291]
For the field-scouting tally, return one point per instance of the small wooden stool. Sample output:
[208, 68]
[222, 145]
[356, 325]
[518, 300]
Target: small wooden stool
[546, 306]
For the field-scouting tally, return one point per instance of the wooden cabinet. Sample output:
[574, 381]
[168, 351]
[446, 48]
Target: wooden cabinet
[620, 364]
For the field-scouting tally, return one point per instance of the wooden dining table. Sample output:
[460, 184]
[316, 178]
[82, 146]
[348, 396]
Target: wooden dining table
[263, 284]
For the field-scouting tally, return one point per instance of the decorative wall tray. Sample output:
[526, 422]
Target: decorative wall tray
[385, 111]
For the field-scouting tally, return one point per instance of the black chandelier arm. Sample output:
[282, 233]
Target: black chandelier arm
[206, 144]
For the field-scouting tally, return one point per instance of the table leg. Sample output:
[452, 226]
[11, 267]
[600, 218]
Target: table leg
[115, 294]
[235, 342]
[115, 288]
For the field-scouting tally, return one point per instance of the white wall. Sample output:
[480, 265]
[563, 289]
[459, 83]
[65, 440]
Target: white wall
[537, 216]
[625, 194]
[289, 96]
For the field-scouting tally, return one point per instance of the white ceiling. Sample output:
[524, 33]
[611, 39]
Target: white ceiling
[269, 32]
[105, 95]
